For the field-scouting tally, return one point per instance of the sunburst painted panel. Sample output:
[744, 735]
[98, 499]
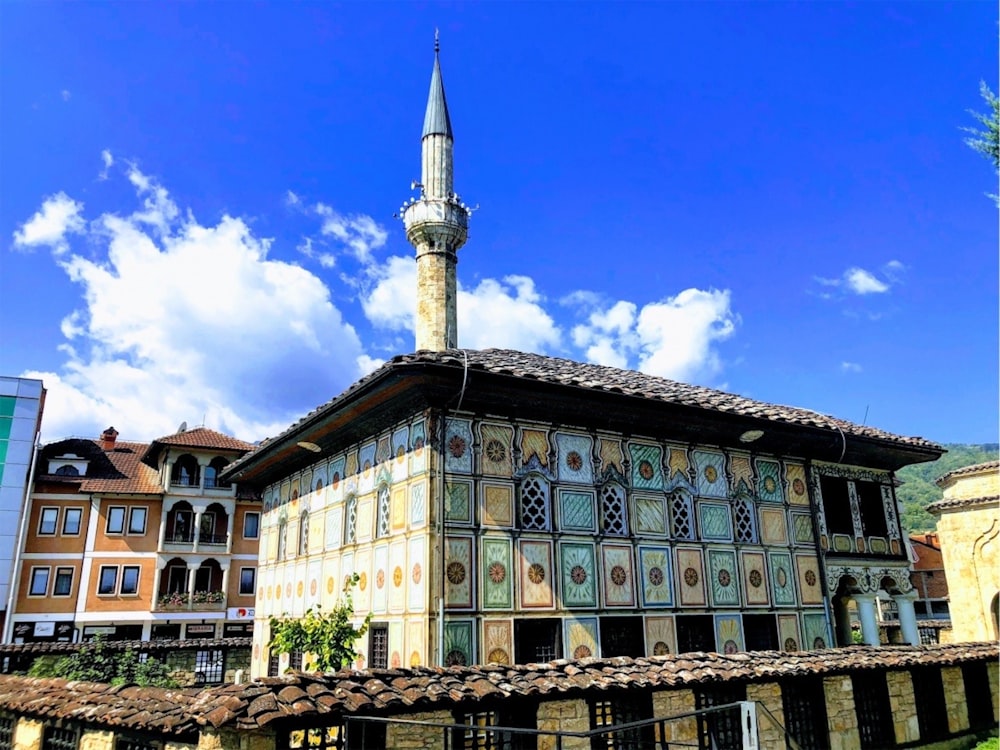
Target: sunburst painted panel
[619, 584]
[498, 504]
[458, 501]
[661, 636]
[711, 474]
[458, 572]
[651, 514]
[657, 577]
[610, 451]
[691, 577]
[415, 575]
[362, 594]
[332, 585]
[769, 485]
[498, 641]
[647, 466]
[497, 457]
[458, 446]
[416, 642]
[724, 578]
[534, 443]
[395, 575]
[754, 579]
[808, 579]
[728, 634]
[715, 521]
[578, 575]
[497, 574]
[772, 526]
[576, 510]
[580, 637]
[459, 647]
[313, 576]
[814, 631]
[788, 633]
[380, 590]
[782, 578]
[535, 574]
[418, 447]
[574, 461]
[795, 477]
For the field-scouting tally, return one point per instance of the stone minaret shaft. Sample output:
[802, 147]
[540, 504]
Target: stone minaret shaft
[437, 225]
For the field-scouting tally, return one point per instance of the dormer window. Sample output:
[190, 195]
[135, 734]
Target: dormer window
[67, 470]
[68, 465]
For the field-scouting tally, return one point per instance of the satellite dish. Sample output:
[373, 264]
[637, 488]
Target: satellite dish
[183, 427]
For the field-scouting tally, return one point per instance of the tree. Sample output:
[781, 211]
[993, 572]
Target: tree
[328, 637]
[97, 662]
[987, 141]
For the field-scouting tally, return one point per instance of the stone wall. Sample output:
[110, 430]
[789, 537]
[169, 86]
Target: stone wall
[971, 551]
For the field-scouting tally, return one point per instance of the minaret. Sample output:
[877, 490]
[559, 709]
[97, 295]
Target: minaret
[437, 225]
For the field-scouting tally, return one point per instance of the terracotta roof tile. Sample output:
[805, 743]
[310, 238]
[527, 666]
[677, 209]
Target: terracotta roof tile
[957, 503]
[119, 470]
[965, 470]
[191, 644]
[202, 437]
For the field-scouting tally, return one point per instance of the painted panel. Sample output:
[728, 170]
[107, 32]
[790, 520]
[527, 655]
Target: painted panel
[458, 501]
[395, 645]
[754, 579]
[458, 446]
[574, 460]
[579, 577]
[362, 594]
[459, 647]
[498, 504]
[782, 578]
[498, 641]
[534, 443]
[610, 452]
[661, 636]
[418, 505]
[647, 466]
[715, 522]
[416, 643]
[802, 528]
[346, 571]
[336, 476]
[364, 519]
[619, 584]
[535, 574]
[739, 467]
[651, 515]
[691, 577]
[497, 574]
[580, 637]
[728, 634]
[772, 526]
[576, 510]
[458, 572]
[395, 576]
[808, 579]
[769, 486]
[788, 632]
[656, 572]
[397, 507]
[814, 631]
[414, 583]
[366, 457]
[711, 474]
[795, 479]
[418, 451]
[400, 447]
[380, 593]
[383, 453]
[314, 575]
[334, 531]
[333, 586]
[497, 456]
[678, 466]
[723, 575]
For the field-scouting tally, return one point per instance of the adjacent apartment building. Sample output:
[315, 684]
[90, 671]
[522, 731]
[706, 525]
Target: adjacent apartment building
[136, 541]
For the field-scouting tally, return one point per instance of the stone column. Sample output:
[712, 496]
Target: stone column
[955, 699]
[841, 718]
[677, 703]
[415, 736]
[225, 585]
[231, 519]
[869, 620]
[163, 529]
[157, 579]
[907, 618]
[192, 571]
[842, 621]
[768, 695]
[197, 528]
[903, 705]
[563, 716]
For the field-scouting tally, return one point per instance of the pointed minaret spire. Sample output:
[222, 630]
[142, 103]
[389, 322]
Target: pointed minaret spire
[437, 224]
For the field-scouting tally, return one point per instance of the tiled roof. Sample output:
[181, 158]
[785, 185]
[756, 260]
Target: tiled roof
[202, 437]
[982, 468]
[962, 502]
[285, 702]
[189, 644]
[119, 470]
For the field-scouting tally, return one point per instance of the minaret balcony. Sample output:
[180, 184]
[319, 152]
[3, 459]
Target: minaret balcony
[436, 219]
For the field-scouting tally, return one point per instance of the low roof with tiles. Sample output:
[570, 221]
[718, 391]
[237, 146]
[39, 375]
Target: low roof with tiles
[118, 470]
[984, 468]
[198, 438]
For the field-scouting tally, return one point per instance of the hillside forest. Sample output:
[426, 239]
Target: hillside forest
[918, 490]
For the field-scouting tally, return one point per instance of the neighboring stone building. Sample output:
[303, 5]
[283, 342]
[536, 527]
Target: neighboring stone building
[930, 584]
[137, 541]
[968, 527]
[507, 507]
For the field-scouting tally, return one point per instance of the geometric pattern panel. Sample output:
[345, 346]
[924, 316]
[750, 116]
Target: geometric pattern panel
[772, 526]
[647, 466]
[814, 631]
[458, 446]
[498, 504]
[575, 458]
[497, 441]
[579, 581]
[782, 578]
[458, 572]
[661, 636]
[498, 583]
[769, 488]
[614, 519]
[580, 637]
[808, 578]
[795, 477]
[650, 515]
[802, 528]
[458, 501]
[418, 504]
[691, 577]
[535, 577]
[657, 575]
[744, 514]
[722, 568]
[728, 634]
[459, 648]
[754, 578]
[498, 641]
[788, 632]
[576, 510]
[711, 476]
[715, 521]
[619, 588]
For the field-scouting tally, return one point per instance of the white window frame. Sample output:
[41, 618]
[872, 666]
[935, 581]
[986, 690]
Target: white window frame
[100, 581]
[41, 520]
[79, 523]
[121, 581]
[132, 513]
[255, 514]
[253, 581]
[35, 571]
[124, 518]
[55, 581]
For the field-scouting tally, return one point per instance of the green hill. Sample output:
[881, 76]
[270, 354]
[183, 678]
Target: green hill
[918, 489]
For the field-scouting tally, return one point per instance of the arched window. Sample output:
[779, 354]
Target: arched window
[351, 520]
[535, 505]
[282, 539]
[382, 522]
[614, 515]
[744, 519]
[212, 472]
[304, 534]
[67, 471]
[185, 471]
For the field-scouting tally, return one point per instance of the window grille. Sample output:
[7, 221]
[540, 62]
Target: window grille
[611, 712]
[871, 703]
[681, 516]
[354, 735]
[382, 525]
[282, 540]
[928, 693]
[351, 521]
[304, 534]
[745, 520]
[476, 734]
[295, 660]
[273, 664]
[804, 703]
[60, 738]
[720, 730]
[928, 635]
[131, 742]
[7, 732]
[208, 667]
[535, 503]
[614, 519]
[378, 646]
[978, 696]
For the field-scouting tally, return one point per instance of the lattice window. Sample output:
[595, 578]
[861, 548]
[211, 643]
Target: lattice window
[351, 521]
[614, 516]
[273, 664]
[928, 693]
[681, 516]
[535, 503]
[304, 534]
[477, 733]
[614, 711]
[382, 524]
[282, 540]
[871, 704]
[7, 732]
[60, 738]
[745, 520]
[208, 667]
[133, 742]
[378, 646]
[804, 703]
[352, 735]
[720, 729]
[295, 660]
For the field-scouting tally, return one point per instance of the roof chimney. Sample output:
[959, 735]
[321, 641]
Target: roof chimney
[108, 438]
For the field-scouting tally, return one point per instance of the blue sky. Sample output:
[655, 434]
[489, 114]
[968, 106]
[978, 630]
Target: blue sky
[769, 198]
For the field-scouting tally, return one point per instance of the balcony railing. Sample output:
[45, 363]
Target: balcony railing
[216, 484]
[187, 537]
[200, 601]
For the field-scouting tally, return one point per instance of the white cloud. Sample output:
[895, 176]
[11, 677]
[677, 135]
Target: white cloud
[506, 315]
[390, 299]
[184, 321]
[306, 247]
[850, 367]
[58, 216]
[109, 161]
[860, 281]
[65, 94]
[359, 232]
